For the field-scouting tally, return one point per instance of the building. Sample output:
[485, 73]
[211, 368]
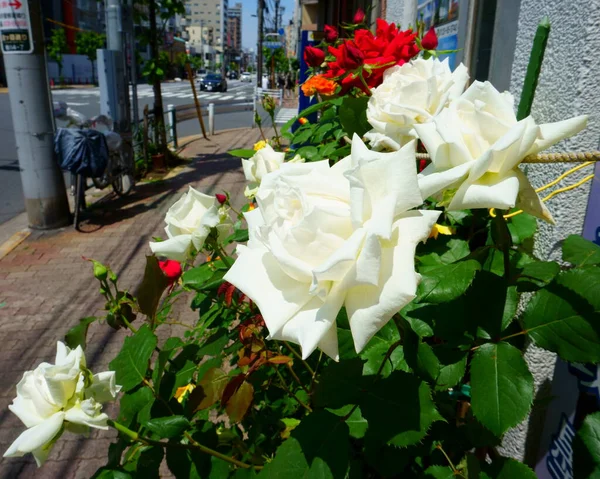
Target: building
[205, 28]
[234, 29]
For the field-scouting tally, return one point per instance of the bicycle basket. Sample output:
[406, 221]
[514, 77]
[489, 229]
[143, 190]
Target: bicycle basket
[83, 152]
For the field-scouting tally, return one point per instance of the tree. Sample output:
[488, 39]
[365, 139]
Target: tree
[56, 47]
[87, 43]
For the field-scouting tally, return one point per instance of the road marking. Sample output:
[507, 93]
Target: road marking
[14, 241]
[213, 96]
[76, 104]
[227, 97]
[285, 114]
[203, 95]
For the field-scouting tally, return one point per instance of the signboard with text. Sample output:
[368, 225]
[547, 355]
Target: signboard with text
[15, 27]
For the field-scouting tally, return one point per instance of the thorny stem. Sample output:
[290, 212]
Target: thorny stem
[454, 470]
[364, 82]
[295, 353]
[293, 373]
[314, 376]
[194, 445]
[178, 323]
[289, 391]
[224, 256]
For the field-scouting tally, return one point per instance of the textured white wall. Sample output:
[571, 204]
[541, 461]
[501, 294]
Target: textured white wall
[569, 85]
[401, 12]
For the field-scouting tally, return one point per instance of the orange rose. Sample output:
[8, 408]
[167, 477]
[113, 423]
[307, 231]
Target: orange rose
[319, 84]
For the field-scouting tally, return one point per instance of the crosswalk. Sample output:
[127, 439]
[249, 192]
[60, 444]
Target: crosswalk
[285, 114]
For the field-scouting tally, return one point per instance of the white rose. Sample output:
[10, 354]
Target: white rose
[476, 145]
[263, 162]
[53, 397]
[326, 237]
[189, 222]
[412, 93]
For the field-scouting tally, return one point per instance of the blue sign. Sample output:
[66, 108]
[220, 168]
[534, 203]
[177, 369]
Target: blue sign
[306, 39]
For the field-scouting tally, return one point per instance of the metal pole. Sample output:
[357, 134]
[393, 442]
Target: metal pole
[32, 116]
[259, 53]
[133, 60]
[211, 119]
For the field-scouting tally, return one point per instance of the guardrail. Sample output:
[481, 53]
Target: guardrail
[179, 113]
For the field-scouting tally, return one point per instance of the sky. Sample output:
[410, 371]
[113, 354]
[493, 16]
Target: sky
[250, 25]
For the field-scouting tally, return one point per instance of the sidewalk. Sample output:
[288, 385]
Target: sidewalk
[48, 287]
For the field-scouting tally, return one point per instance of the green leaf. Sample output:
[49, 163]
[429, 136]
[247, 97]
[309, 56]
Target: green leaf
[420, 357]
[168, 427]
[353, 115]
[339, 384]
[196, 278]
[586, 448]
[522, 227]
[310, 153]
[501, 386]
[504, 468]
[453, 364]
[399, 409]
[135, 406]
[131, 364]
[148, 463]
[168, 349]
[439, 472]
[537, 275]
[242, 153]
[239, 236]
[111, 474]
[309, 453]
[447, 282]
[580, 252]
[357, 424]
[152, 287]
[564, 317]
[376, 349]
[238, 404]
[76, 336]
[443, 250]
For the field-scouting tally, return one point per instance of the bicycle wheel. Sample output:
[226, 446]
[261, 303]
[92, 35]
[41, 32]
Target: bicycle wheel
[79, 200]
[122, 181]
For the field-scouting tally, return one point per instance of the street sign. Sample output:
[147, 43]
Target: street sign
[15, 27]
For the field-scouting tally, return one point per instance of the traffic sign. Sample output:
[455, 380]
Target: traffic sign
[15, 27]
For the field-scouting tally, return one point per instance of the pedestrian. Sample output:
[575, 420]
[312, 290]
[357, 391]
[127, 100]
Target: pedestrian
[265, 82]
[289, 85]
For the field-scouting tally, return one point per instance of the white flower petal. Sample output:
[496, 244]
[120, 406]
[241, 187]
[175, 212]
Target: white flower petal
[551, 133]
[176, 248]
[104, 387]
[490, 191]
[35, 438]
[432, 182]
[87, 413]
[371, 307]
[529, 201]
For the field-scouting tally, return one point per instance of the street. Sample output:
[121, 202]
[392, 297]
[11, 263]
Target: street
[86, 101]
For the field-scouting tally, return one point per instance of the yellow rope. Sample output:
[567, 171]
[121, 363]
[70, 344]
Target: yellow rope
[563, 176]
[567, 188]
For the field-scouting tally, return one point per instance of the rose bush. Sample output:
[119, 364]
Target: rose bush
[412, 303]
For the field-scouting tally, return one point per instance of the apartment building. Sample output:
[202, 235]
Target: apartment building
[205, 29]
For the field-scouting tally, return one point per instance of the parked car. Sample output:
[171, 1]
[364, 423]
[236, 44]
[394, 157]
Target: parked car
[213, 82]
[246, 77]
[233, 75]
[201, 73]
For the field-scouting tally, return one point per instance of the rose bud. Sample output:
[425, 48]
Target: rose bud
[359, 16]
[430, 40]
[331, 34]
[351, 56]
[222, 199]
[171, 268]
[314, 57]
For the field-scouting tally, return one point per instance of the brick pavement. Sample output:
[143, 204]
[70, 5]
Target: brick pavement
[48, 287]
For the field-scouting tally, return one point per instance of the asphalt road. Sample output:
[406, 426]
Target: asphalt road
[87, 101]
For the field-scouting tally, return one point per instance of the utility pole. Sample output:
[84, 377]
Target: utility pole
[259, 53]
[277, 17]
[32, 114]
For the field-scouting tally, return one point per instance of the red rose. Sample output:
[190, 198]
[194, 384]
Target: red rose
[359, 16]
[331, 34]
[348, 56]
[172, 269]
[314, 57]
[385, 31]
[430, 40]
[221, 198]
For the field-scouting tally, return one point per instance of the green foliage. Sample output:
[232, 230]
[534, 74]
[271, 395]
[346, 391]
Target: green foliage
[57, 47]
[76, 336]
[87, 44]
[131, 364]
[586, 448]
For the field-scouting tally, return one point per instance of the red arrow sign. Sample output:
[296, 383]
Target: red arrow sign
[16, 4]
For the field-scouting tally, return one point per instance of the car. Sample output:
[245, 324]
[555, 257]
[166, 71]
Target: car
[201, 73]
[233, 75]
[246, 77]
[213, 82]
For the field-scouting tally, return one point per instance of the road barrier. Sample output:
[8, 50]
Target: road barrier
[179, 113]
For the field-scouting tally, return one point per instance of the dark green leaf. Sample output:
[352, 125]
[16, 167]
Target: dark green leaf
[353, 115]
[77, 334]
[564, 317]
[399, 409]
[136, 406]
[586, 448]
[239, 236]
[537, 275]
[375, 351]
[148, 464]
[309, 452]
[504, 468]
[197, 277]
[310, 153]
[356, 423]
[242, 153]
[501, 386]
[339, 384]
[168, 427]
[439, 472]
[522, 227]
[420, 357]
[453, 364]
[447, 282]
[111, 474]
[168, 349]
[131, 364]
[580, 252]
[152, 287]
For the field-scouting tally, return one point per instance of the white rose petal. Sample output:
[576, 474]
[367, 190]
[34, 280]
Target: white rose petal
[476, 145]
[189, 222]
[324, 237]
[87, 413]
[264, 161]
[409, 94]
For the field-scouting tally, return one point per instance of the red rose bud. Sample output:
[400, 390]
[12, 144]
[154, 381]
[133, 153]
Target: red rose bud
[430, 40]
[172, 269]
[331, 34]
[222, 199]
[359, 16]
[351, 56]
[314, 57]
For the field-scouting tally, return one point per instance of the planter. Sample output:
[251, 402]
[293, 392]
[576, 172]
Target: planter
[158, 161]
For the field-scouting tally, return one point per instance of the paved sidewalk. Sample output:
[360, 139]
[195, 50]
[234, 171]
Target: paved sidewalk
[48, 287]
